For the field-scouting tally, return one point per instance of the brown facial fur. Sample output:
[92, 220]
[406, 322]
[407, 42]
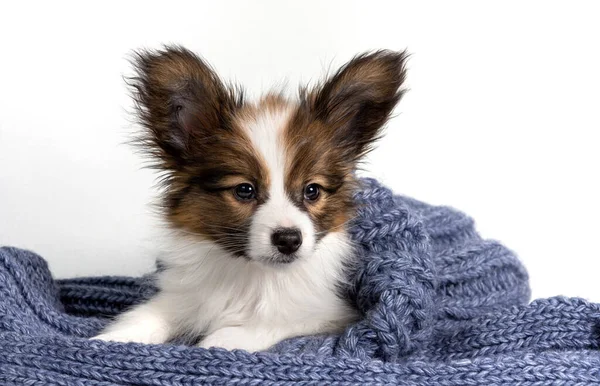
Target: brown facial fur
[335, 126]
[194, 132]
[188, 114]
[314, 157]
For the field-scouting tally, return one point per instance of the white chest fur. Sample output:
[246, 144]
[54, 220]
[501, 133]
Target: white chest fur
[210, 290]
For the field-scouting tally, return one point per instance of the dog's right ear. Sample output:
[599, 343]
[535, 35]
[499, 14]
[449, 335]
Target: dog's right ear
[180, 101]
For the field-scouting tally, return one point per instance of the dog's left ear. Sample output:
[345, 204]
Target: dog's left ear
[357, 100]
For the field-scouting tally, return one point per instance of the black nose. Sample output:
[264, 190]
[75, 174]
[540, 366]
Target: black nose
[287, 240]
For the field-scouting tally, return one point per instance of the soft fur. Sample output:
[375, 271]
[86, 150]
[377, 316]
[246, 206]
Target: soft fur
[223, 277]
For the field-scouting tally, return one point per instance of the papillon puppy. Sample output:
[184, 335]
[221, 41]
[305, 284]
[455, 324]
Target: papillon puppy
[257, 197]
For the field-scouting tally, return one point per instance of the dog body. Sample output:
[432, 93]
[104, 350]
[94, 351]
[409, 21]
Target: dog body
[236, 303]
[258, 198]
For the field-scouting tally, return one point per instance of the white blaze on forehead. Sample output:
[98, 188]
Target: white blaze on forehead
[267, 132]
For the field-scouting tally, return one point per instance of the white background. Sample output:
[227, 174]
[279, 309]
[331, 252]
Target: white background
[501, 120]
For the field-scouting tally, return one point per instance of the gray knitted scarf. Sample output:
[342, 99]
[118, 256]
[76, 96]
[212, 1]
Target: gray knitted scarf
[440, 304]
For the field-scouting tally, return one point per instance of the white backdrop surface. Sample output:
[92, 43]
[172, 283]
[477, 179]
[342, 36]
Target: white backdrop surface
[501, 120]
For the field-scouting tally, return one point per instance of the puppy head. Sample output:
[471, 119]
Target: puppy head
[267, 181]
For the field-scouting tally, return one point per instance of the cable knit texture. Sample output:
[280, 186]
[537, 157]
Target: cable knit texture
[441, 306]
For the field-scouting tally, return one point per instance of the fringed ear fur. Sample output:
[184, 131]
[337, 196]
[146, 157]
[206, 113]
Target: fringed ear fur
[179, 101]
[358, 99]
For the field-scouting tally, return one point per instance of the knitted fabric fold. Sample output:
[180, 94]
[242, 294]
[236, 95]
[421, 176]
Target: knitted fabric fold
[440, 304]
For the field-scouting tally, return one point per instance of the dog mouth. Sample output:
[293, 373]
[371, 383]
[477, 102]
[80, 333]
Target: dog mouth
[282, 259]
[275, 259]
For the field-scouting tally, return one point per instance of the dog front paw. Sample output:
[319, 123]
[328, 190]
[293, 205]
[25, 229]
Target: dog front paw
[126, 336]
[232, 338]
[145, 323]
[108, 337]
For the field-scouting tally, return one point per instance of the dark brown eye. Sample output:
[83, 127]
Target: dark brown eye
[312, 192]
[244, 192]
